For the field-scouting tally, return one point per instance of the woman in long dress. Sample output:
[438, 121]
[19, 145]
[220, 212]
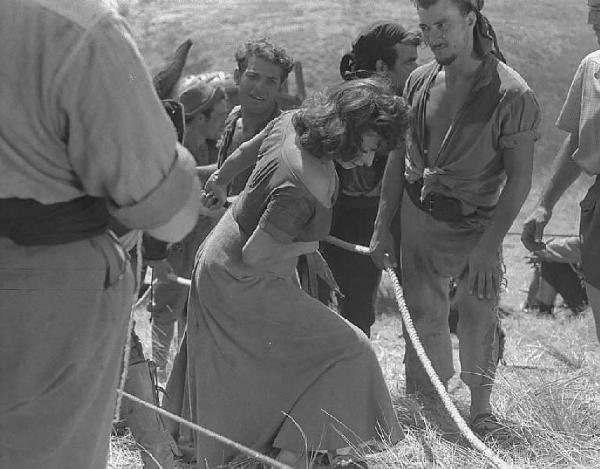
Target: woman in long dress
[269, 366]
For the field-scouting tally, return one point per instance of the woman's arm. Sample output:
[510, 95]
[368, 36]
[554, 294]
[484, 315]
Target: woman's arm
[392, 188]
[215, 189]
[204, 172]
[262, 250]
[288, 212]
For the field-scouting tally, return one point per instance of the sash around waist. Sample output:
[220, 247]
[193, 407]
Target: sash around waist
[441, 207]
[30, 223]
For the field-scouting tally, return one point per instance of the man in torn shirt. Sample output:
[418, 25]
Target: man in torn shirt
[467, 171]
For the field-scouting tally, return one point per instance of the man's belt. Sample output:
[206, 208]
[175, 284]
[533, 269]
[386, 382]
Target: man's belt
[440, 207]
[29, 223]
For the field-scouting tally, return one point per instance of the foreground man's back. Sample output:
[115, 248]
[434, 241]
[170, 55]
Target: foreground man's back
[82, 135]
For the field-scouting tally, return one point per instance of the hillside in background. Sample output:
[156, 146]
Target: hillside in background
[542, 39]
[547, 391]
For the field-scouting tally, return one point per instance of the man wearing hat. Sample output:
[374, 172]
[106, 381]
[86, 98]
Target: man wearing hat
[205, 110]
[387, 50]
[467, 171]
[580, 152]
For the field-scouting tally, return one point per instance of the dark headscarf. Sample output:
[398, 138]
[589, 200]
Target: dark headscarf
[484, 36]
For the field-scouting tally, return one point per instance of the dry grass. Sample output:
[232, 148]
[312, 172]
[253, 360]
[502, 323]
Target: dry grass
[547, 394]
[548, 391]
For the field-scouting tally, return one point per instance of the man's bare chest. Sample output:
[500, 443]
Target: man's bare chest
[442, 108]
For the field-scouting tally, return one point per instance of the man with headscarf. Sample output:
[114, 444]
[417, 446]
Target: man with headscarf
[389, 51]
[467, 169]
[580, 152]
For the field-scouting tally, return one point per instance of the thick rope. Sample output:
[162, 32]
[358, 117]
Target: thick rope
[179, 280]
[414, 338]
[221, 439]
[127, 350]
[547, 235]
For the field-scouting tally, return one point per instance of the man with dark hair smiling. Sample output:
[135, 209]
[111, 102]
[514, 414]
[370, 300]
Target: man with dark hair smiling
[467, 171]
[261, 73]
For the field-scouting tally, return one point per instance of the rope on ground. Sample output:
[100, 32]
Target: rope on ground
[127, 350]
[414, 338]
[205, 431]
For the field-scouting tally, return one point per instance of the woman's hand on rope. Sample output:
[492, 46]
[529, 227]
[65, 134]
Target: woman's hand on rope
[214, 194]
[315, 260]
[382, 243]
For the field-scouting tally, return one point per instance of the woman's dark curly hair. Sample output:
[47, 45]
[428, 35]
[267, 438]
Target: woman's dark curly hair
[330, 124]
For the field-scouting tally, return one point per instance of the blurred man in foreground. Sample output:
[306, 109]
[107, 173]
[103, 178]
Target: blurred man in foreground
[83, 135]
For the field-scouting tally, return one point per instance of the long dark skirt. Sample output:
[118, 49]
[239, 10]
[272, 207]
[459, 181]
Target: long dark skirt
[271, 367]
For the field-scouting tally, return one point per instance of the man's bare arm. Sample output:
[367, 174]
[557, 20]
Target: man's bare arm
[484, 276]
[204, 172]
[392, 188]
[215, 189]
[564, 172]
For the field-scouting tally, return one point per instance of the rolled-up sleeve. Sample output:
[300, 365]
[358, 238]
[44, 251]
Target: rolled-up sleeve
[120, 142]
[520, 120]
[580, 114]
[570, 114]
[165, 199]
[288, 211]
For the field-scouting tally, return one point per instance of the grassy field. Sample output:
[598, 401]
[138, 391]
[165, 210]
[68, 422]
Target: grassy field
[548, 390]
